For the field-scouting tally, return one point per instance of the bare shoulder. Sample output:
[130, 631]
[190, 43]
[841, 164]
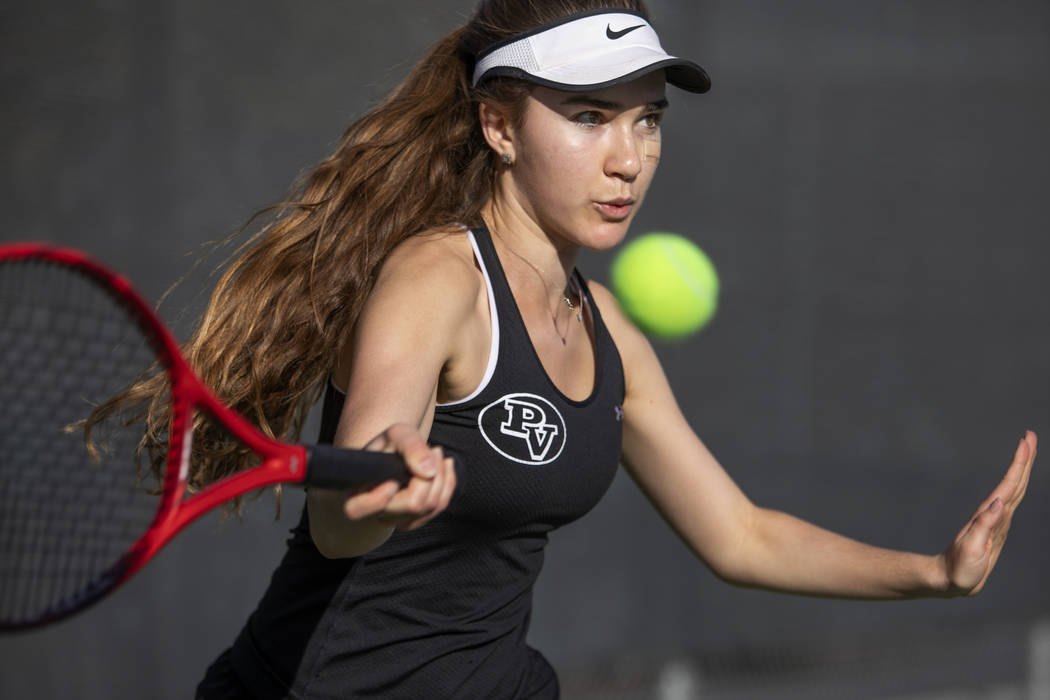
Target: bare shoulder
[625, 334]
[425, 299]
[640, 363]
[436, 264]
[427, 279]
[607, 303]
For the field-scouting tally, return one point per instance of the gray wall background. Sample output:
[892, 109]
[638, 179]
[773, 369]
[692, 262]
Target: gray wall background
[870, 178]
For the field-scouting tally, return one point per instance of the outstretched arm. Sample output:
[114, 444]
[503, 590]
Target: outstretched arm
[789, 554]
[753, 546]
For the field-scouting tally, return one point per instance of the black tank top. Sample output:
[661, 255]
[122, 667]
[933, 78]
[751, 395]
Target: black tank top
[443, 611]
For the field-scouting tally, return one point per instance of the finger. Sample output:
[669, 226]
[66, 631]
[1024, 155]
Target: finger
[422, 495]
[419, 498]
[1015, 482]
[445, 485]
[1012, 487]
[450, 485]
[418, 456]
[366, 503]
[436, 484]
[980, 535]
[406, 441]
[973, 551]
[407, 516]
[1033, 442]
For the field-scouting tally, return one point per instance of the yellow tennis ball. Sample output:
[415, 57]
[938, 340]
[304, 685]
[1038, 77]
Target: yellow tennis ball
[665, 284]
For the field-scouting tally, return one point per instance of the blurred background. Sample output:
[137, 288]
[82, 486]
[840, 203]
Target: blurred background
[869, 176]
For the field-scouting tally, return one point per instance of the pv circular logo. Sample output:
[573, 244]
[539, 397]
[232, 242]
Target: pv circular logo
[525, 428]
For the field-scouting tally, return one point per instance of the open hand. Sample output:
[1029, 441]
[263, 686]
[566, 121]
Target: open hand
[973, 554]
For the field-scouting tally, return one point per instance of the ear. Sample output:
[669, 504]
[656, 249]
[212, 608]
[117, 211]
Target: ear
[497, 127]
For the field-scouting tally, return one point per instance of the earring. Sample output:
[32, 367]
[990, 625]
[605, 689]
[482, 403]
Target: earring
[507, 158]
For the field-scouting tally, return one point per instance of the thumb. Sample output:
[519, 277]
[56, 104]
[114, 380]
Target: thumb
[420, 459]
[980, 533]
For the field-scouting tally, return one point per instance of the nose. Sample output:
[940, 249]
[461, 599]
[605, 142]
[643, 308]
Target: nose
[624, 158]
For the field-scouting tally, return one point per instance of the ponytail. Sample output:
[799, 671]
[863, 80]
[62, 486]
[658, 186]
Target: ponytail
[282, 309]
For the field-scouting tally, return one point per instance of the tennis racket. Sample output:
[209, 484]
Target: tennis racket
[80, 514]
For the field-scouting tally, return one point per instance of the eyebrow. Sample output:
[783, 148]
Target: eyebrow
[588, 101]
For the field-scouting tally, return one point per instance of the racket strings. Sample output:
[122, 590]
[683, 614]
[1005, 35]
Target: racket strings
[67, 514]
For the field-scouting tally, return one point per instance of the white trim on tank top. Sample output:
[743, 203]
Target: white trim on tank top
[494, 318]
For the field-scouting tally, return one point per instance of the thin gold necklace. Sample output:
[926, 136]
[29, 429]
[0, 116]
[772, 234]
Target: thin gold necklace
[576, 308]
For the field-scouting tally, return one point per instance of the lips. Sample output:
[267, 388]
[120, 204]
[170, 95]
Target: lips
[617, 209]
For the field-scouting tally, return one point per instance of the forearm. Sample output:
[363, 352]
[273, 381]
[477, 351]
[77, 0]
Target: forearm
[335, 535]
[783, 553]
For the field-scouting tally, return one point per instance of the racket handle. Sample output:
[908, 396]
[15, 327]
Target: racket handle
[331, 467]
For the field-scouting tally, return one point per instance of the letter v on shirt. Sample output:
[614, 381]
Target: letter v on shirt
[530, 429]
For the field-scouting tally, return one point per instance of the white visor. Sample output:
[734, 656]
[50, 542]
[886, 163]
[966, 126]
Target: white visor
[588, 51]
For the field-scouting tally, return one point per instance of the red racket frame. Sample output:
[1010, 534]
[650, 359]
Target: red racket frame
[281, 462]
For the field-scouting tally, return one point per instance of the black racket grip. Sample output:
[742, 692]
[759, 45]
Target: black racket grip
[329, 467]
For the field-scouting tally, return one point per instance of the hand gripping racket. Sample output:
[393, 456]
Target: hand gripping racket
[76, 522]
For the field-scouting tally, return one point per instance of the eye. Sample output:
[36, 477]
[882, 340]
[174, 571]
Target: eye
[590, 118]
[652, 120]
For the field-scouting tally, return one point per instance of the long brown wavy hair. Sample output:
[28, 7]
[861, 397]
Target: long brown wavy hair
[282, 308]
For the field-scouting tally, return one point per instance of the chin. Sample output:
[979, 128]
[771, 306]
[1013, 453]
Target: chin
[608, 235]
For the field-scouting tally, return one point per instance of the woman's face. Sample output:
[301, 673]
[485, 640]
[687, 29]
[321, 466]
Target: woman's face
[584, 161]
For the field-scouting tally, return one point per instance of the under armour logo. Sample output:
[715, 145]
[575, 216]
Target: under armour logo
[523, 427]
[619, 413]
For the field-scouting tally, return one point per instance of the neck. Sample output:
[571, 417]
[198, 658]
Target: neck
[529, 246]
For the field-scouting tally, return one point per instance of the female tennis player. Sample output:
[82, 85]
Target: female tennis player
[423, 277]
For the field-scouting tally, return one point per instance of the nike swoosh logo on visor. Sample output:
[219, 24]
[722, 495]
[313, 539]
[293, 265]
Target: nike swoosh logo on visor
[616, 35]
